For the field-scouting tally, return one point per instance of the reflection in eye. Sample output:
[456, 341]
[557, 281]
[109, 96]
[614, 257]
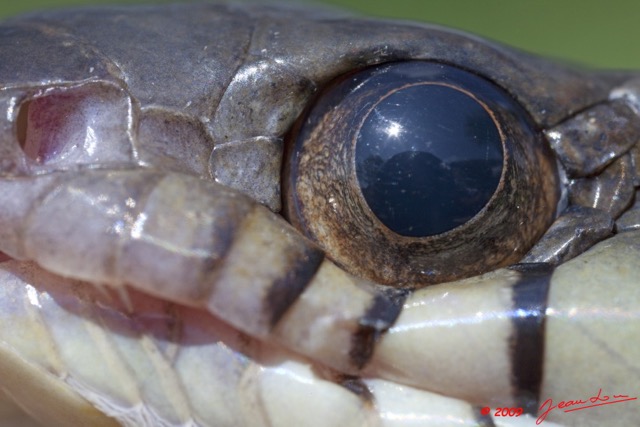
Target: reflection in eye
[434, 171]
[427, 172]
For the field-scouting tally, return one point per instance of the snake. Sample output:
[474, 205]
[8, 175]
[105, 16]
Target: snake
[254, 215]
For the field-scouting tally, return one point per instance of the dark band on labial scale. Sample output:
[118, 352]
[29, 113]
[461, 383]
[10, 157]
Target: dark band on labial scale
[358, 387]
[285, 290]
[483, 420]
[530, 296]
[379, 317]
[223, 235]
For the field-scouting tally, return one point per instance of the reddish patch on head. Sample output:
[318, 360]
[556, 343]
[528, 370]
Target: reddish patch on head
[46, 124]
[80, 125]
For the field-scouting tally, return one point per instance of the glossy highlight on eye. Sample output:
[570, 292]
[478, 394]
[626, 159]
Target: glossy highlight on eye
[434, 171]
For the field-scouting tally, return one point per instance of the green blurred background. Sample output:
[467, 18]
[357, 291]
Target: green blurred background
[598, 33]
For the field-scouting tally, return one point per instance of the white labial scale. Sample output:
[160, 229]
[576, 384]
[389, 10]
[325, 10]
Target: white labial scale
[158, 365]
[291, 394]
[264, 248]
[179, 236]
[324, 318]
[168, 365]
[192, 242]
[402, 406]
[61, 230]
[453, 339]
[593, 331]
[231, 379]
[150, 368]
[130, 366]
[18, 198]
[77, 341]
[30, 366]
[211, 365]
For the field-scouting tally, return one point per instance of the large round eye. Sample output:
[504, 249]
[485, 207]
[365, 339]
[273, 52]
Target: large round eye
[417, 172]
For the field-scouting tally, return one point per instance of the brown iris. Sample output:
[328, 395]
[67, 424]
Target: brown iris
[416, 173]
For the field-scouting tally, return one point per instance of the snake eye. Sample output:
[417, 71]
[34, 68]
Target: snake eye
[417, 172]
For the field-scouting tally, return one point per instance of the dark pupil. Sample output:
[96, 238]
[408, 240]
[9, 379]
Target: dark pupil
[428, 158]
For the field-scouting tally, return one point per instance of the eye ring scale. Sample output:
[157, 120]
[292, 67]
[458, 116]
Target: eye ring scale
[429, 173]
